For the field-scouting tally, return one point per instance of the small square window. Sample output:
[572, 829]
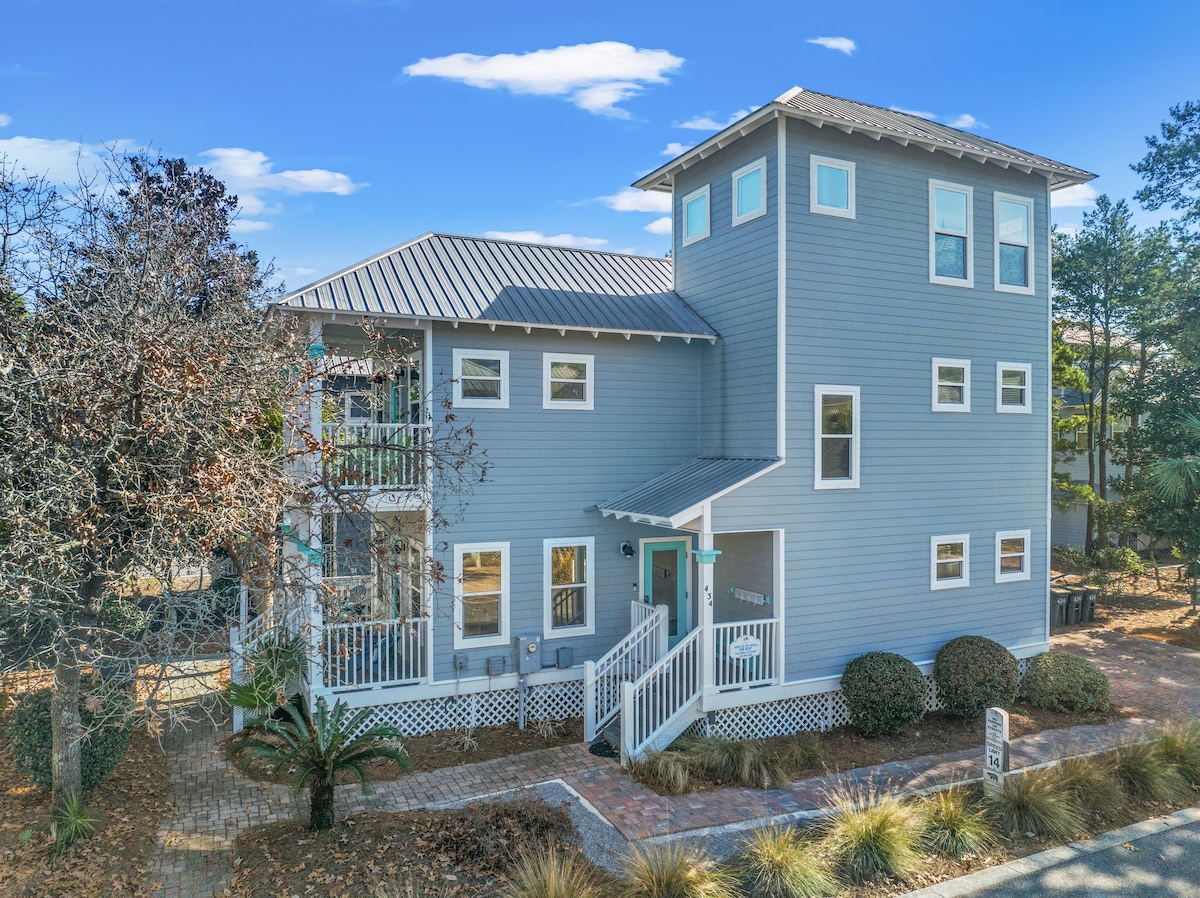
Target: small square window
[1014, 245]
[481, 595]
[1013, 391]
[695, 216]
[951, 385]
[950, 235]
[1012, 555]
[570, 608]
[480, 378]
[567, 381]
[836, 433]
[749, 192]
[831, 186]
[949, 561]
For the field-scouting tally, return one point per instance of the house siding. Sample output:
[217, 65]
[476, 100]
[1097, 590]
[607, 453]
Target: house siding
[549, 468]
[862, 312]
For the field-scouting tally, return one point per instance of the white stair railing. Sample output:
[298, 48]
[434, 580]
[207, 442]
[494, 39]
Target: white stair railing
[663, 701]
[624, 662]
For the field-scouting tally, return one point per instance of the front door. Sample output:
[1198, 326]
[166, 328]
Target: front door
[664, 582]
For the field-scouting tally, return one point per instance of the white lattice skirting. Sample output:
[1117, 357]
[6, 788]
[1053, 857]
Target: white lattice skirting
[556, 701]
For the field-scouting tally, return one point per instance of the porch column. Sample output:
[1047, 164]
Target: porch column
[313, 592]
[316, 352]
[706, 556]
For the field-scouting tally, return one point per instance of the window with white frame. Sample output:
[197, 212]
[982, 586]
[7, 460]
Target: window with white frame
[481, 598]
[831, 186]
[837, 437]
[570, 607]
[749, 192]
[568, 381]
[951, 385]
[950, 236]
[1013, 393]
[480, 378]
[1012, 555]
[695, 216]
[1014, 243]
[949, 561]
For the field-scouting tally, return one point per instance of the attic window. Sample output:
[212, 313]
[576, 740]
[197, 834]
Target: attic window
[695, 216]
[749, 192]
[831, 190]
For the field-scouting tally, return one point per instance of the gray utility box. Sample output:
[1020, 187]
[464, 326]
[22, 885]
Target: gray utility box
[528, 650]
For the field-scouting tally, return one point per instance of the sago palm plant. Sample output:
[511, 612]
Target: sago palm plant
[321, 749]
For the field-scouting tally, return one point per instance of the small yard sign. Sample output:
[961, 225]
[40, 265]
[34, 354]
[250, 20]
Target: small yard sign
[995, 754]
[744, 647]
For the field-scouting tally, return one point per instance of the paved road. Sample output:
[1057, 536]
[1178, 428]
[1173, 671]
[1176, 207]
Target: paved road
[1147, 860]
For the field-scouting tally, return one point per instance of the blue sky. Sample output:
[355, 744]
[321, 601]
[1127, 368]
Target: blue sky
[348, 126]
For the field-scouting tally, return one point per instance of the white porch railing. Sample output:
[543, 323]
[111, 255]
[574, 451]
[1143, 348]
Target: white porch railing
[733, 672]
[638, 612]
[375, 455]
[663, 702]
[375, 653]
[624, 662]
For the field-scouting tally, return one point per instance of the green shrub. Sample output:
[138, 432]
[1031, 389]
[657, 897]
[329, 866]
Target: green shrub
[1145, 772]
[954, 826]
[1064, 682]
[868, 835]
[106, 736]
[1070, 560]
[884, 692]
[1120, 560]
[974, 673]
[671, 870]
[778, 863]
[1037, 802]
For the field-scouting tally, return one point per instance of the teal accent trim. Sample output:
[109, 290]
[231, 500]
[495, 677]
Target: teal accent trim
[316, 351]
[706, 556]
[288, 531]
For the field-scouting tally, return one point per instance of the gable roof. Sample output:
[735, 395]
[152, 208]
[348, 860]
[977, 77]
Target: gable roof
[449, 278]
[876, 122]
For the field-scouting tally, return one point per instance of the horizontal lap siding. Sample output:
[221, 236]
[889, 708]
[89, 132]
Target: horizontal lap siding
[549, 469]
[861, 312]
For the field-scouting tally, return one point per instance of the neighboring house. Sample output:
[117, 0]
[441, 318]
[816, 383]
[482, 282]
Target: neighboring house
[820, 429]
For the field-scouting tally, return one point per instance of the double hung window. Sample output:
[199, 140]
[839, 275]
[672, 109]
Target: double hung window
[837, 437]
[1014, 246]
[950, 235]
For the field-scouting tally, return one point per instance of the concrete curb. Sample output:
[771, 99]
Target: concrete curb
[1035, 863]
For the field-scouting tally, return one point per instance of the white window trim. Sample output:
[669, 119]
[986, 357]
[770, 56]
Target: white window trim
[1023, 574]
[472, 642]
[1028, 203]
[589, 626]
[500, 355]
[813, 205]
[703, 191]
[934, 278]
[965, 579]
[852, 482]
[1027, 407]
[965, 405]
[587, 404]
[761, 165]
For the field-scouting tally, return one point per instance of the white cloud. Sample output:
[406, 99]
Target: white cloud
[1068, 230]
[594, 77]
[61, 161]
[708, 123]
[918, 113]
[841, 44]
[247, 225]
[1075, 196]
[965, 121]
[551, 240]
[660, 225]
[304, 272]
[5, 120]
[243, 170]
[674, 148]
[630, 199]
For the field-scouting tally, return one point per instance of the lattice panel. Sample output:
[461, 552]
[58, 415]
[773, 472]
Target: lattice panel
[822, 711]
[557, 701]
[1023, 665]
[933, 701]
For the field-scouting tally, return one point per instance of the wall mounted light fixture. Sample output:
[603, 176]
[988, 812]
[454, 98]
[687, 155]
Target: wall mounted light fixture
[627, 549]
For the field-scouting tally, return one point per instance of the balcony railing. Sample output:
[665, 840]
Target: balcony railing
[363, 654]
[373, 456]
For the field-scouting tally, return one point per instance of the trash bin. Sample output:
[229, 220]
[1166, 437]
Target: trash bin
[1074, 606]
[1058, 606]
[1087, 613]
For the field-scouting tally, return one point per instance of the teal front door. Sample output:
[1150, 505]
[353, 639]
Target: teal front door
[664, 582]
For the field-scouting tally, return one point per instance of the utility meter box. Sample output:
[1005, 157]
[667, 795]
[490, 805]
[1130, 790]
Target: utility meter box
[528, 650]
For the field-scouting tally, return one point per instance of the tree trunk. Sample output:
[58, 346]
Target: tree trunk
[320, 814]
[66, 763]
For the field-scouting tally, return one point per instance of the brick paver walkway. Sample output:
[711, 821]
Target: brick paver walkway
[214, 803]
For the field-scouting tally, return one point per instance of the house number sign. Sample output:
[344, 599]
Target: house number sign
[995, 754]
[744, 647]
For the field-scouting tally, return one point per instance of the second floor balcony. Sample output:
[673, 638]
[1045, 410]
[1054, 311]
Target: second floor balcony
[371, 455]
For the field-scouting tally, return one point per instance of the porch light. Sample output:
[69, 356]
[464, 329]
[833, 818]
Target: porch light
[627, 549]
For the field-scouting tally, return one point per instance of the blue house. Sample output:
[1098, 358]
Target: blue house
[821, 428]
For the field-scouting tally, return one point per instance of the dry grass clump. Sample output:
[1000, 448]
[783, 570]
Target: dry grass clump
[670, 870]
[552, 872]
[869, 834]
[955, 825]
[663, 771]
[1037, 802]
[1179, 744]
[1092, 784]
[779, 863]
[1146, 773]
[744, 763]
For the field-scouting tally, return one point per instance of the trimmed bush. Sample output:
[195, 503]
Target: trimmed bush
[30, 741]
[885, 693]
[1064, 682]
[974, 673]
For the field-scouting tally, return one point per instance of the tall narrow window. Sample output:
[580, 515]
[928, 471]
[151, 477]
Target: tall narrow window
[1013, 393]
[749, 192]
[695, 216]
[831, 186]
[949, 561]
[950, 241]
[837, 443]
[951, 385]
[1014, 246]
[480, 378]
[570, 605]
[567, 381]
[1012, 555]
[481, 595]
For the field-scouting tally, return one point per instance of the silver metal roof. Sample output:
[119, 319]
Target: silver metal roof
[676, 497]
[851, 117]
[444, 277]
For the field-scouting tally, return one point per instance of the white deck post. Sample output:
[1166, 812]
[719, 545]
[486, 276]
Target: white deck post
[628, 715]
[661, 635]
[237, 673]
[589, 701]
[704, 593]
[316, 614]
